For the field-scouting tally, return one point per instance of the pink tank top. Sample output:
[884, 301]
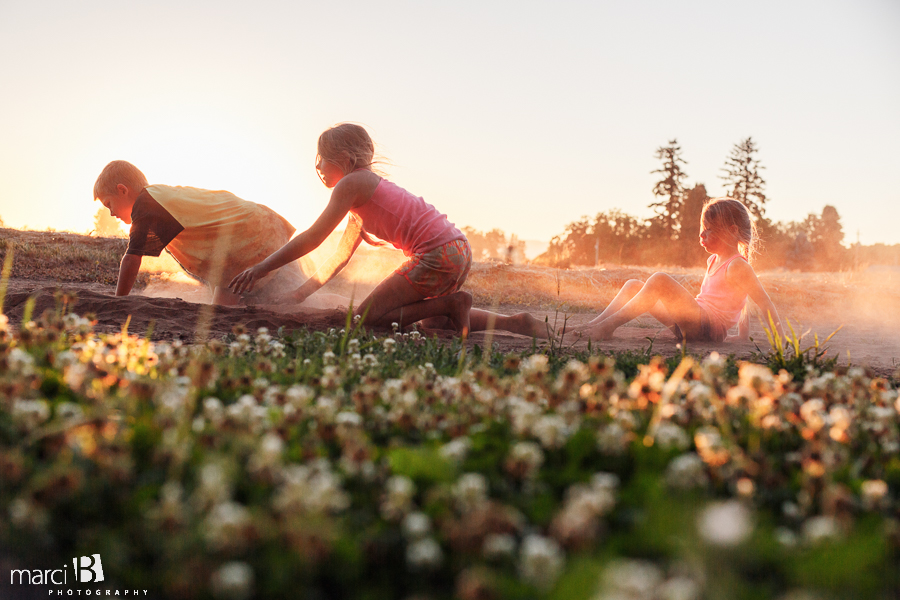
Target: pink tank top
[405, 221]
[723, 303]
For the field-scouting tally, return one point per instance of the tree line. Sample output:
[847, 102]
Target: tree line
[670, 236]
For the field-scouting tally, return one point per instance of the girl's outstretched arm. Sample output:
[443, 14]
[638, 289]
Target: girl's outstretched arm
[744, 276]
[336, 262]
[347, 193]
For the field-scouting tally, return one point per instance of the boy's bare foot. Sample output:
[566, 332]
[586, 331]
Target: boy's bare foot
[460, 305]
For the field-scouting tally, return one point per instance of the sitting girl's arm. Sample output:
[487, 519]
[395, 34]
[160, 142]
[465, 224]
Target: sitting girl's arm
[344, 197]
[346, 247]
[744, 276]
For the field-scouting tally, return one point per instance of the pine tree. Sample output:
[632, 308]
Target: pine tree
[106, 225]
[670, 188]
[743, 178]
[692, 252]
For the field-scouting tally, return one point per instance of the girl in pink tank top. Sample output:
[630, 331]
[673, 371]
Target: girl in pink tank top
[427, 286]
[728, 234]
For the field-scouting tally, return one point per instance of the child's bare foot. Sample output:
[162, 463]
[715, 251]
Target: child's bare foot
[525, 324]
[460, 305]
[598, 333]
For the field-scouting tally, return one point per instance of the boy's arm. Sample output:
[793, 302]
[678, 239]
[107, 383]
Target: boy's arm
[747, 281]
[343, 198]
[128, 271]
[346, 247]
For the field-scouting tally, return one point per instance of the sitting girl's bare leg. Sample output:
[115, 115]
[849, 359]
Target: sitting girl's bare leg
[628, 291]
[396, 301]
[678, 306]
[522, 323]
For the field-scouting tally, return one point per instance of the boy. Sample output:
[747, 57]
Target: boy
[214, 235]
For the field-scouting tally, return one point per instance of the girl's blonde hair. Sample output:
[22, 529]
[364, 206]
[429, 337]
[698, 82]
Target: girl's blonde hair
[720, 214]
[347, 140]
[352, 141]
[116, 172]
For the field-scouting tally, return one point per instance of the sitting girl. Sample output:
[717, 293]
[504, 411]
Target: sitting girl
[427, 285]
[729, 235]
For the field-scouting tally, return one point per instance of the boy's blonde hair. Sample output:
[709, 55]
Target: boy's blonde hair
[722, 213]
[347, 139]
[116, 172]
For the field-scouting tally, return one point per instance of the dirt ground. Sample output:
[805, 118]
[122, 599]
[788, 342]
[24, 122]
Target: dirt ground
[864, 304]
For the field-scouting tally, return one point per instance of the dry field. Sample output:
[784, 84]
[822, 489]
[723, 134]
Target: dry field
[864, 304]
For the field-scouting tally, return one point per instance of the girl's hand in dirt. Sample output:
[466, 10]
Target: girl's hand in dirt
[245, 281]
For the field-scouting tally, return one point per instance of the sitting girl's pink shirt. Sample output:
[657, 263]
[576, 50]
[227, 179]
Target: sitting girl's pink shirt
[721, 301]
[408, 222]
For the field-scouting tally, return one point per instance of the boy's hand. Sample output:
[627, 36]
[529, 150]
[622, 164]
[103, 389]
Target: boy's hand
[245, 281]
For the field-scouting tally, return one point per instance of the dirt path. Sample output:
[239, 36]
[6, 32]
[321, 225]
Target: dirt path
[861, 343]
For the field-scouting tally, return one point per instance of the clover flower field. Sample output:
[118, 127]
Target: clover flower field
[340, 464]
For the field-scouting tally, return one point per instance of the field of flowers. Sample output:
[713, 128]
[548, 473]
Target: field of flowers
[339, 464]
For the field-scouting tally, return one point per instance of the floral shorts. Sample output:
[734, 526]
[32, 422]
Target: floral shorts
[440, 271]
[710, 329]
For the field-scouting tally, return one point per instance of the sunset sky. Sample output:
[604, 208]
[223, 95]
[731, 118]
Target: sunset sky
[518, 115]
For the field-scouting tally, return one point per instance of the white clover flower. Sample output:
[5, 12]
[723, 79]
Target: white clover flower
[631, 579]
[526, 456]
[328, 358]
[686, 472]
[670, 436]
[299, 396]
[20, 361]
[29, 414]
[726, 523]
[714, 364]
[813, 412]
[416, 525]
[424, 554]
[786, 537]
[313, 488]
[540, 561]
[456, 450]
[389, 345]
[370, 360]
[270, 448]
[533, 365]
[498, 546]
[598, 498]
[213, 410]
[74, 375]
[757, 377]
[551, 430]
[348, 418]
[820, 528]
[398, 496]
[874, 494]
[523, 415]
[613, 439]
[680, 588]
[232, 581]
[326, 408]
[470, 491]
[215, 485]
[224, 524]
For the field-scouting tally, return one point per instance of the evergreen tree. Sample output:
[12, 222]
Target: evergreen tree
[106, 225]
[826, 234]
[743, 180]
[670, 189]
[692, 252]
